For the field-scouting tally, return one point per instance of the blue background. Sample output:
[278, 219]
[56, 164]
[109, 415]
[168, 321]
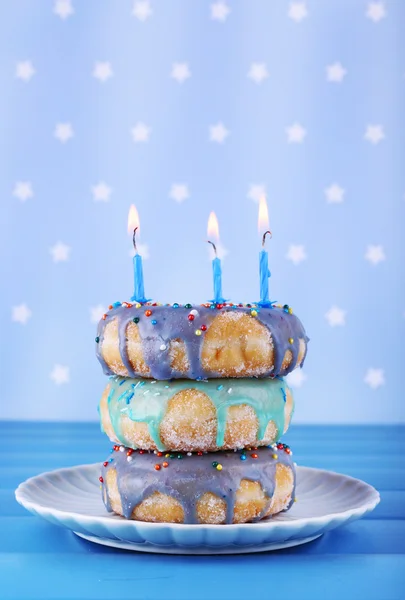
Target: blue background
[219, 54]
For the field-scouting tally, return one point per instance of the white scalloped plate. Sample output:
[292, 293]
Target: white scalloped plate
[71, 497]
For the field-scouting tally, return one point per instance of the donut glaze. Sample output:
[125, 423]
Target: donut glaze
[199, 342]
[217, 487]
[183, 415]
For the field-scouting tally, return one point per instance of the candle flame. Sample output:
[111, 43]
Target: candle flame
[213, 227]
[133, 219]
[263, 220]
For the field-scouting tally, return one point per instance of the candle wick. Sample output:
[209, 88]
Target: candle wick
[214, 246]
[264, 237]
[134, 240]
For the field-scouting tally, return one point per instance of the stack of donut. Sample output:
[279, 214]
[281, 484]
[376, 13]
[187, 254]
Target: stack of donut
[195, 405]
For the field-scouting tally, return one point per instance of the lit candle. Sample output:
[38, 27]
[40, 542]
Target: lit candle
[263, 224]
[133, 226]
[213, 233]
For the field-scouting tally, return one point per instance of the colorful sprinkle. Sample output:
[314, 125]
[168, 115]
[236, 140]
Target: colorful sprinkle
[175, 305]
[253, 313]
[215, 464]
[199, 453]
[194, 312]
[163, 347]
[243, 456]
[198, 331]
[290, 340]
[148, 313]
[254, 455]
[179, 456]
[275, 456]
[165, 464]
[219, 467]
[105, 463]
[153, 321]
[136, 319]
[203, 328]
[97, 340]
[157, 467]
[191, 317]
[100, 479]
[188, 305]
[220, 387]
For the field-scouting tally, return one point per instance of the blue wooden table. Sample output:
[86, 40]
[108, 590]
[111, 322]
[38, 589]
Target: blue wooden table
[362, 560]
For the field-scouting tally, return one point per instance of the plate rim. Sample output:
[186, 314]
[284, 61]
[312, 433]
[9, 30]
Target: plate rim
[39, 508]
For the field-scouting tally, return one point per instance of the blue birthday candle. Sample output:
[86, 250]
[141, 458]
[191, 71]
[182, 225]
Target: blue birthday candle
[263, 223]
[213, 230]
[139, 292]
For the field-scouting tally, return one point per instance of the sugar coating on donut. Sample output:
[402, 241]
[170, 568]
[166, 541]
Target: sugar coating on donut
[182, 416]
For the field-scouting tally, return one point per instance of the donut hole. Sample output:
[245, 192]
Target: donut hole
[283, 489]
[190, 422]
[211, 509]
[178, 356]
[250, 501]
[159, 508]
[135, 434]
[237, 345]
[241, 426]
[112, 491]
[135, 350]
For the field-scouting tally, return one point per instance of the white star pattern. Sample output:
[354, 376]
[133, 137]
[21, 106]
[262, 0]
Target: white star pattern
[374, 134]
[102, 71]
[23, 190]
[336, 316]
[21, 314]
[375, 11]
[140, 133]
[63, 132]
[334, 194]
[63, 8]
[374, 254]
[142, 10]
[220, 11]
[96, 312]
[374, 378]
[296, 378]
[180, 72]
[25, 70]
[179, 192]
[297, 11]
[101, 192]
[258, 72]
[296, 254]
[335, 73]
[60, 252]
[296, 133]
[218, 133]
[60, 374]
[256, 191]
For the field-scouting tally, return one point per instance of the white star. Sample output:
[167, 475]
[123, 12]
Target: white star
[101, 192]
[296, 378]
[297, 11]
[296, 133]
[60, 252]
[23, 190]
[21, 314]
[256, 191]
[63, 132]
[142, 10]
[60, 374]
[336, 316]
[335, 72]
[96, 312]
[63, 8]
[296, 254]
[102, 71]
[220, 11]
[376, 11]
[24, 70]
[334, 194]
[374, 254]
[141, 132]
[258, 72]
[180, 72]
[179, 192]
[218, 133]
[143, 250]
[374, 378]
[374, 133]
